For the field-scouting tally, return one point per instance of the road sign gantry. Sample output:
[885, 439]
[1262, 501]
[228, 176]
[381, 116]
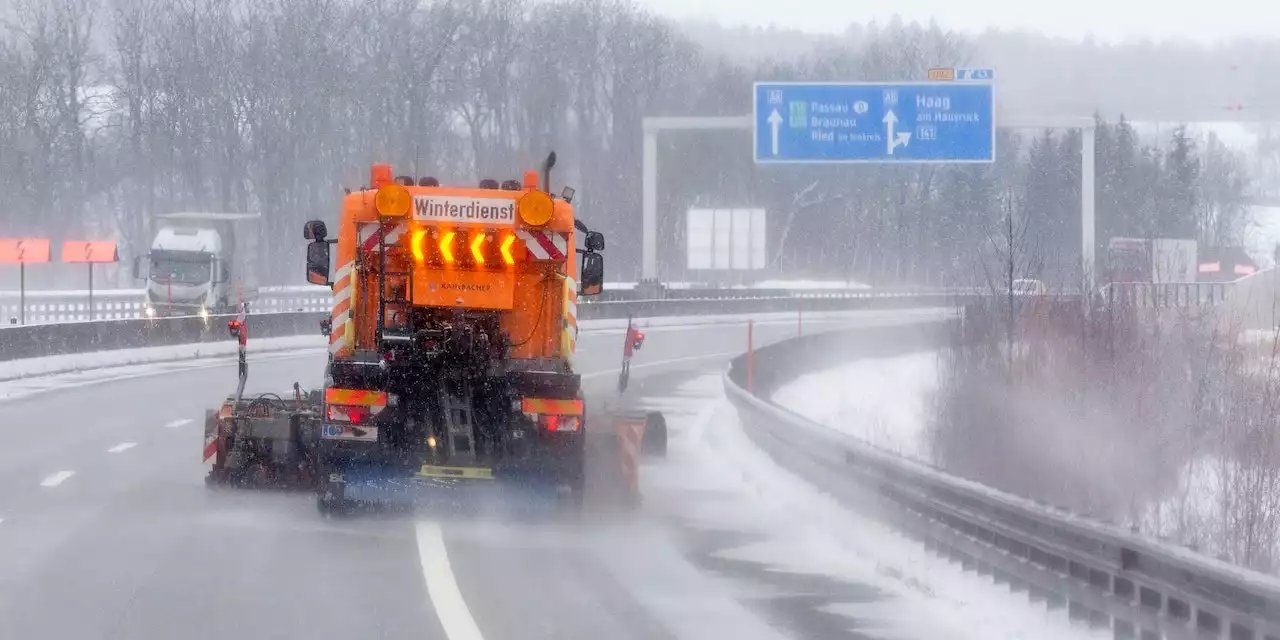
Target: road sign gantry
[907, 122]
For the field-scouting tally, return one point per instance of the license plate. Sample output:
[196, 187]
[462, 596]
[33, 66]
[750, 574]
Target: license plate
[349, 432]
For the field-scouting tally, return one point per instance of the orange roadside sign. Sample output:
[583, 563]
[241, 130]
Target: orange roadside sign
[23, 250]
[89, 251]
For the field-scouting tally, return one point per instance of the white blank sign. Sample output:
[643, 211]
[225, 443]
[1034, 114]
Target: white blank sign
[726, 239]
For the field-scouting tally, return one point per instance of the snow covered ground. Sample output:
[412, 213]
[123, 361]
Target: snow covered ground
[881, 401]
[715, 479]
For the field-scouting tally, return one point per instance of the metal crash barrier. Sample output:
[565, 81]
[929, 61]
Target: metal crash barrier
[1103, 576]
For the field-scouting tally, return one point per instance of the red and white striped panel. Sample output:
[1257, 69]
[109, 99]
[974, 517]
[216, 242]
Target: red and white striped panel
[370, 234]
[545, 245]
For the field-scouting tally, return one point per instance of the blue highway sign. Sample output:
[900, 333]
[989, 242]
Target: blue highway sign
[864, 122]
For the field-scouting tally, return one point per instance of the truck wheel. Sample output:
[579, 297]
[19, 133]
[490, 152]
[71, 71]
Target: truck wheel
[575, 480]
[654, 442]
[330, 505]
[572, 502]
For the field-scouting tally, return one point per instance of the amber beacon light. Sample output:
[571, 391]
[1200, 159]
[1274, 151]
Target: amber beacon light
[535, 208]
[393, 200]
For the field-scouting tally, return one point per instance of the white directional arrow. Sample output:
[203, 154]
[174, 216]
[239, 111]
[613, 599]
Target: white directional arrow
[891, 139]
[774, 121]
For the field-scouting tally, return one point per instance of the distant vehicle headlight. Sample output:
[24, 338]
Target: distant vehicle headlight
[149, 311]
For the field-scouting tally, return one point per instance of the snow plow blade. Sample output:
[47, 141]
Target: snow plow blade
[444, 490]
[616, 455]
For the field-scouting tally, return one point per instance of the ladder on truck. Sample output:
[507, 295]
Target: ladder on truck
[459, 423]
[401, 281]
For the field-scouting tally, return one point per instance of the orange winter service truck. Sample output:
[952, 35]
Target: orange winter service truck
[451, 339]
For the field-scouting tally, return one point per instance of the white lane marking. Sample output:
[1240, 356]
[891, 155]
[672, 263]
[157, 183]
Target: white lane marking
[178, 423]
[56, 479]
[122, 447]
[446, 598]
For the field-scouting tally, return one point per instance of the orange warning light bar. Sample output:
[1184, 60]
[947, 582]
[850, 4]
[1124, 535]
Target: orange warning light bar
[477, 251]
[24, 250]
[446, 246]
[81, 251]
[416, 245]
[507, 258]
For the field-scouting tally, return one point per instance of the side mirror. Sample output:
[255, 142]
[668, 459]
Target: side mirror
[318, 262]
[595, 241]
[592, 274]
[315, 231]
[137, 268]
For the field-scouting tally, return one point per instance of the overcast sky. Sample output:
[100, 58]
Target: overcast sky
[1107, 20]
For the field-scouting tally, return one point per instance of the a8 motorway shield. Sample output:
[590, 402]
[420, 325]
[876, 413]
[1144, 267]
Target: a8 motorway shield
[874, 122]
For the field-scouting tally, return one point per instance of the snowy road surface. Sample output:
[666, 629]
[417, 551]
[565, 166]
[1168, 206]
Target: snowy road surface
[107, 530]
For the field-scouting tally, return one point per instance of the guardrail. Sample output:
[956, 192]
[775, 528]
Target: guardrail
[46, 307]
[1102, 575]
[29, 341]
[1166, 295]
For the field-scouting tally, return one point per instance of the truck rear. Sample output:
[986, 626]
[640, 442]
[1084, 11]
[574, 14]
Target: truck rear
[452, 338]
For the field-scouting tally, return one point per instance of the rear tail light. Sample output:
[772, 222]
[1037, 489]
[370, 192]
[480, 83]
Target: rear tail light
[560, 423]
[353, 413]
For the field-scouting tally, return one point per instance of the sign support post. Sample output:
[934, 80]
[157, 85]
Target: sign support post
[89, 253]
[20, 251]
[887, 123]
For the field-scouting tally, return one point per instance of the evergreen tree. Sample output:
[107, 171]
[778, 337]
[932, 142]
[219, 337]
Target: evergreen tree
[1176, 213]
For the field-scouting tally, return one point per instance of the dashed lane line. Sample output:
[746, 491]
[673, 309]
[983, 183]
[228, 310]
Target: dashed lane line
[123, 446]
[178, 423]
[56, 479]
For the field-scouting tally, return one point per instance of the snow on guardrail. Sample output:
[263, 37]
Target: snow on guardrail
[47, 307]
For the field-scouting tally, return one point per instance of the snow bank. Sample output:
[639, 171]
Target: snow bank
[73, 362]
[20, 388]
[716, 479]
[781, 317]
[881, 401]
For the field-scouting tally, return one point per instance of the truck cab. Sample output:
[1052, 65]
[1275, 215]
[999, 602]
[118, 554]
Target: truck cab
[197, 265]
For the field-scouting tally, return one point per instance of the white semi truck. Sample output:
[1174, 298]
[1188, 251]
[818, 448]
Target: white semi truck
[200, 263]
